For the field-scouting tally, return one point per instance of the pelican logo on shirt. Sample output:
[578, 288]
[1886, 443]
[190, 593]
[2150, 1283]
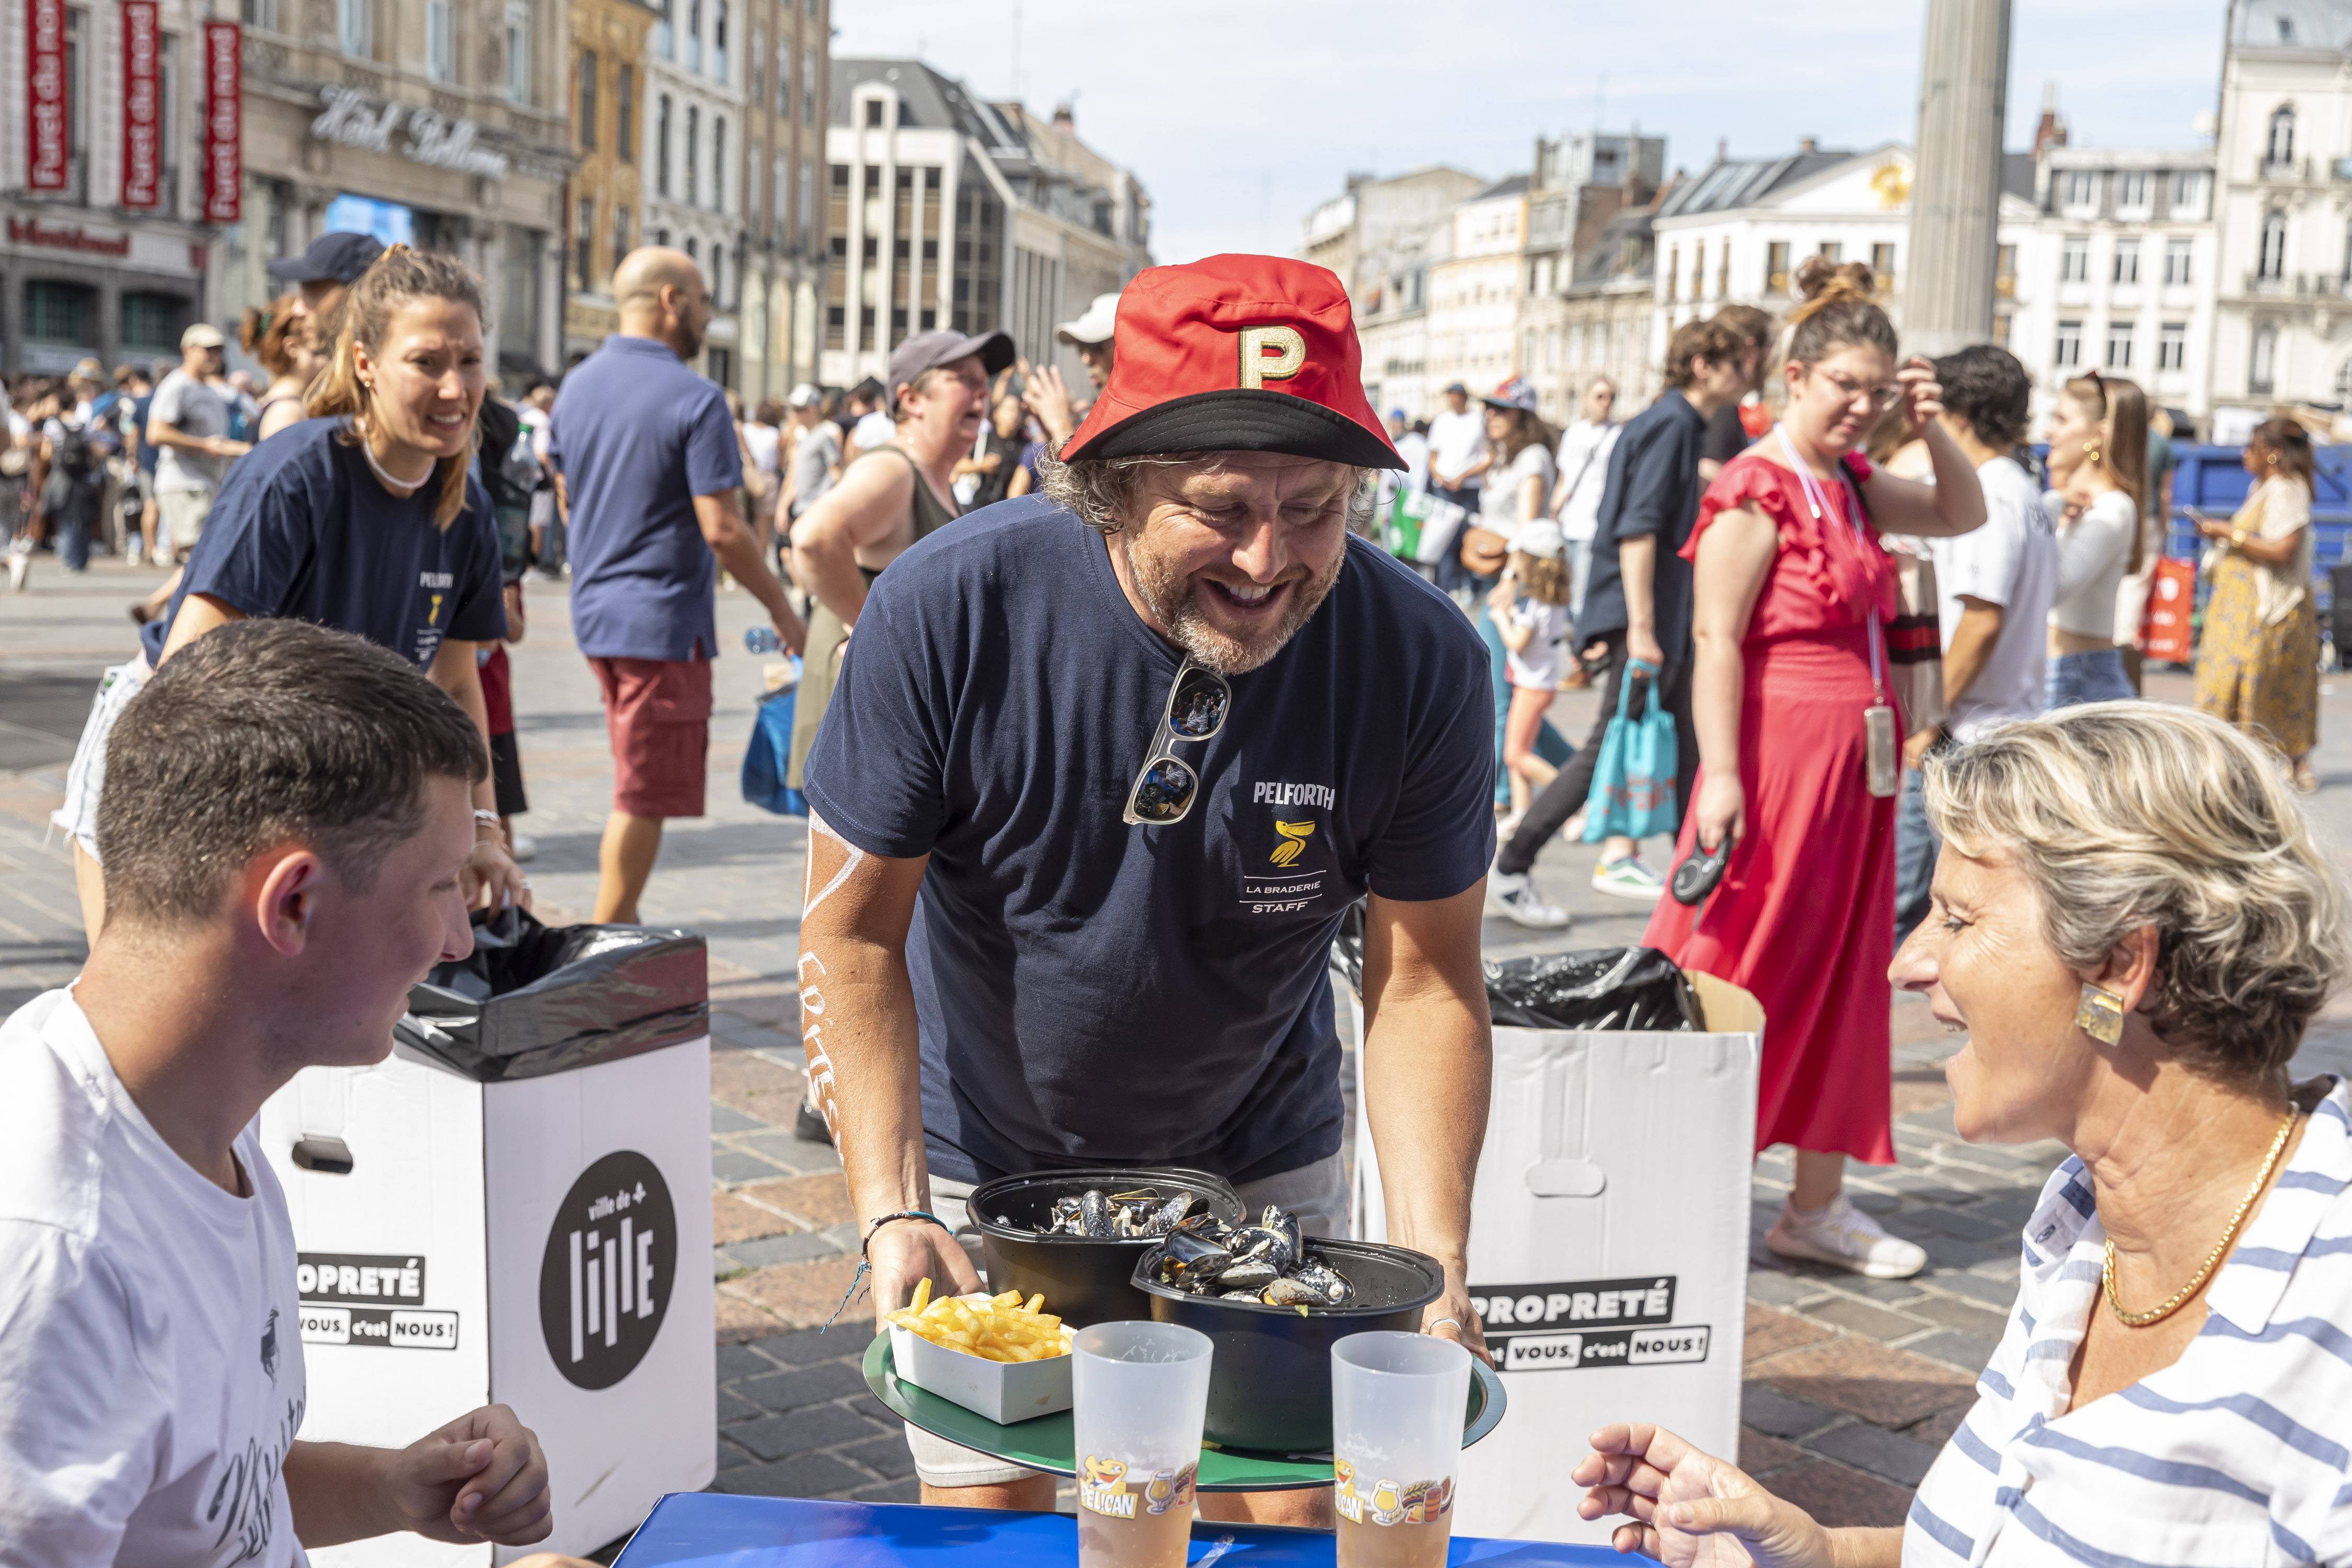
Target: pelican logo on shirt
[438, 584]
[1294, 837]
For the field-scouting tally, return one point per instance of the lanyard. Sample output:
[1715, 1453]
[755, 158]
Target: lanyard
[1817, 501]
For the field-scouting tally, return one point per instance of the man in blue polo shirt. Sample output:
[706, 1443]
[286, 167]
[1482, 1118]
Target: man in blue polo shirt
[650, 474]
[1103, 770]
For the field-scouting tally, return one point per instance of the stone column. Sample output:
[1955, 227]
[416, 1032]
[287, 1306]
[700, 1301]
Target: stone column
[1948, 294]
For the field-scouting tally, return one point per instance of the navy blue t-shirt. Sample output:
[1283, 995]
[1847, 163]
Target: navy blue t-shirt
[1651, 488]
[1090, 992]
[302, 529]
[638, 436]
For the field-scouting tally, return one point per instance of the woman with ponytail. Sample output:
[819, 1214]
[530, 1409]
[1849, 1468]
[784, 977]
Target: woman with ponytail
[1799, 738]
[2098, 467]
[364, 518]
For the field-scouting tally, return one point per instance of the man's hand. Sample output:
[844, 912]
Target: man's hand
[1450, 1317]
[480, 1478]
[1048, 398]
[491, 879]
[221, 447]
[1692, 1508]
[904, 1253]
[1915, 749]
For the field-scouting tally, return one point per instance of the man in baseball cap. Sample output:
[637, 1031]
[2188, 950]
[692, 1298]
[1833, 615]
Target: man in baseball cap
[322, 275]
[1105, 768]
[1092, 335]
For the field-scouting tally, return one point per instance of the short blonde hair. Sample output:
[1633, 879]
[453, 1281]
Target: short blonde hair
[2122, 814]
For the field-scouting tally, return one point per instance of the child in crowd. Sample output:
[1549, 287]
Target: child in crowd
[1530, 605]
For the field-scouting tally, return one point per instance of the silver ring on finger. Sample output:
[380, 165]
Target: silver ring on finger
[1430, 1328]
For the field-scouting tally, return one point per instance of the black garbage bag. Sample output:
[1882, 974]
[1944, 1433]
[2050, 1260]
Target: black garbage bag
[533, 999]
[1604, 988]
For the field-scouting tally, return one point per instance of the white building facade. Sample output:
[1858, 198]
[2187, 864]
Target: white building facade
[2283, 175]
[693, 156]
[1474, 293]
[2118, 274]
[951, 211]
[1736, 233]
[1381, 237]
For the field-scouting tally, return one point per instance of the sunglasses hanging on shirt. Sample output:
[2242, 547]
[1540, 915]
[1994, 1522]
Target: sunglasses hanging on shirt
[1198, 701]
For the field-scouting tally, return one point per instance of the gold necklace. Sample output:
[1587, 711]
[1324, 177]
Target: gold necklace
[2213, 1259]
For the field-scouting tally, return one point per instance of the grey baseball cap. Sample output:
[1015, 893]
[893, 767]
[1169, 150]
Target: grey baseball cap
[928, 351]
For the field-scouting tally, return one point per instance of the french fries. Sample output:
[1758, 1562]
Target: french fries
[994, 1328]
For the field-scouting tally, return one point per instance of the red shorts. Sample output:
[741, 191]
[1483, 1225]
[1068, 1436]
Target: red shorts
[657, 711]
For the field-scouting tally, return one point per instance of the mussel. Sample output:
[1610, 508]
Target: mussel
[1269, 1262]
[1119, 1216]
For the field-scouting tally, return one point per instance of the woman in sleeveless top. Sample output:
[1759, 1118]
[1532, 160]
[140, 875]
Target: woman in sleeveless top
[276, 337]
[1799, 752]
[821, 661]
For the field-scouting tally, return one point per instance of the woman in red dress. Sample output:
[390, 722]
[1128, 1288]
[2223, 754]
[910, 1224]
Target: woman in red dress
[1799, 749]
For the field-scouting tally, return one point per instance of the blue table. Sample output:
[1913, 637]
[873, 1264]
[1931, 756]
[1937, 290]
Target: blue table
[713, 1529]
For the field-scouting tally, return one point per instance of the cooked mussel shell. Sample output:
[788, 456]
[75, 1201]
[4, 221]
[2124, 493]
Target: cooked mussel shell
[1249, 1273]
[1289, 1292]
[1258, 1243]
[1094, 1216]
[1325, 1282]
[1169, 1215]
[1189, 1256]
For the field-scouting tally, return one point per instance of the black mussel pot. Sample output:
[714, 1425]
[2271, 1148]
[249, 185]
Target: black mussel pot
[1083, 1281]
[1270, 1378]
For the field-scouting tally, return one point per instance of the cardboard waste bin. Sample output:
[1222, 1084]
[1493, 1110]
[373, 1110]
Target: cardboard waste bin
[514, 1208]
[1609, 1238]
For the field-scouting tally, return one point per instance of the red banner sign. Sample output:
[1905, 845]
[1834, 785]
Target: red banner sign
[143, 97]
[47, 155]
[224, 122]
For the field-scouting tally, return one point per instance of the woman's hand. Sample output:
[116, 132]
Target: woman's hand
[1506, 589]
[2212, 527]
[1694, 1510]
[1722, 809]
[491, 879]
[1922, 394]
[1048, 398]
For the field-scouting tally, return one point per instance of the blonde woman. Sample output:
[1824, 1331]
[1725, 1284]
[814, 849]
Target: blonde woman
[2134, 925]
[363, 519]
[2258, 660]
[2098, 471]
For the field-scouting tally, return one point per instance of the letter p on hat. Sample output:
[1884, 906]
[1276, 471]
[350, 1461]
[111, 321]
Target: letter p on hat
[1235, 353]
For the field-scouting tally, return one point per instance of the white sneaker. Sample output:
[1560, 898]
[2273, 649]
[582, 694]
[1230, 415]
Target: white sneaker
[1508, 825]
[526, 847]
[20, 566]
[131, 554]
[1514, 897]
[1844, 1237]
[1572, 830]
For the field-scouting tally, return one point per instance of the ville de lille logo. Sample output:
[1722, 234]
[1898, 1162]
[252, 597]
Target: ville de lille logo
[605, 1280]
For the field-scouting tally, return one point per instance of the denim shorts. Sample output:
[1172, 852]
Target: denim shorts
[2095, 677]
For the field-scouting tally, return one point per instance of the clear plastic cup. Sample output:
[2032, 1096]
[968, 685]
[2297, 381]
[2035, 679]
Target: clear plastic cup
[1141, 1391]
[1397, 1406]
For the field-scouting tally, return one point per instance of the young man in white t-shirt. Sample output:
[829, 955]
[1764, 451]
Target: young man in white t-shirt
[1994, 588]
[1583, 469]
[285, 813]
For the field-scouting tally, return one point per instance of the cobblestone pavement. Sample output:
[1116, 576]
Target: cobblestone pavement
[1851, 1384]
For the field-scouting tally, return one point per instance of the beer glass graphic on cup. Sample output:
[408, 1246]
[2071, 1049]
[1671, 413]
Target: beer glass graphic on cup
[1397, 1404]
[1141, 1393]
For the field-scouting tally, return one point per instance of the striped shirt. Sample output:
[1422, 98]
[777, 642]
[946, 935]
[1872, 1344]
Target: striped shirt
[2238, 1455]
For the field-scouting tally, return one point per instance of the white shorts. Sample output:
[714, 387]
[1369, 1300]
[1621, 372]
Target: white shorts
[86, 774]
[1316, 1193]
[183, 516]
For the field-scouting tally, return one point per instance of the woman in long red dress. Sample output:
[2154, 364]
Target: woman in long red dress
[1799, 749]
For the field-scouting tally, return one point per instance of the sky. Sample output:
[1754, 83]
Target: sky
[1239, 116]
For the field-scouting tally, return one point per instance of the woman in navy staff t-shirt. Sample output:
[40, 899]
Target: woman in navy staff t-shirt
[362, 517]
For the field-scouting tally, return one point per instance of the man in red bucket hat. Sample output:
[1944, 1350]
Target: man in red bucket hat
[1109, 764]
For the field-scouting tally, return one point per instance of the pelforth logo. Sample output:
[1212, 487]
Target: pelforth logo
[605, 1281]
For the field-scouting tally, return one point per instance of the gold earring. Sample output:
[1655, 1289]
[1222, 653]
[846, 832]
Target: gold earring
[2100, 1015]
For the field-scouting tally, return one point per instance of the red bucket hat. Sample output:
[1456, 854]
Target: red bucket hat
[1235, 353]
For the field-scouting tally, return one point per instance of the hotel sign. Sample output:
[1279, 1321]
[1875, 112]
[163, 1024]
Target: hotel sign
[437, 140]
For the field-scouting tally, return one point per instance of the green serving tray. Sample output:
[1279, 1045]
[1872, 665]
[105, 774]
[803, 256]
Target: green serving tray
[1045, 1442]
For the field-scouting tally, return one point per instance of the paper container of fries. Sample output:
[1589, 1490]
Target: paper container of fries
[1004, 1391]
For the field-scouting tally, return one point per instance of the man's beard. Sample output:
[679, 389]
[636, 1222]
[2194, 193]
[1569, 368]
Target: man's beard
[1175, 602]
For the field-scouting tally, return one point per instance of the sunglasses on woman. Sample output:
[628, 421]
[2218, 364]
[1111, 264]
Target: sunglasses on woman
[1163, 793]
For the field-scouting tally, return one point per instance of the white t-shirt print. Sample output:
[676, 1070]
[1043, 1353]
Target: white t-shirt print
[150, 1358]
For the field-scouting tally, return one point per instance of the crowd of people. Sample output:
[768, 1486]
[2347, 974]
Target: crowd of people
[1135, 716]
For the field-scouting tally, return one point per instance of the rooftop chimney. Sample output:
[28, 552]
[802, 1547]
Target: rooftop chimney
[1807, 145]
[2050, 131]
[1722, 148]
[1065, 118]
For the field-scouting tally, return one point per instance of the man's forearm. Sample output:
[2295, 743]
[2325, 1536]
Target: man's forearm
[1971, 650]
[1428, 1066]
[337, 1493]
[173, 435]
[739, 553]
[1637, 566]
[865, 1060]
